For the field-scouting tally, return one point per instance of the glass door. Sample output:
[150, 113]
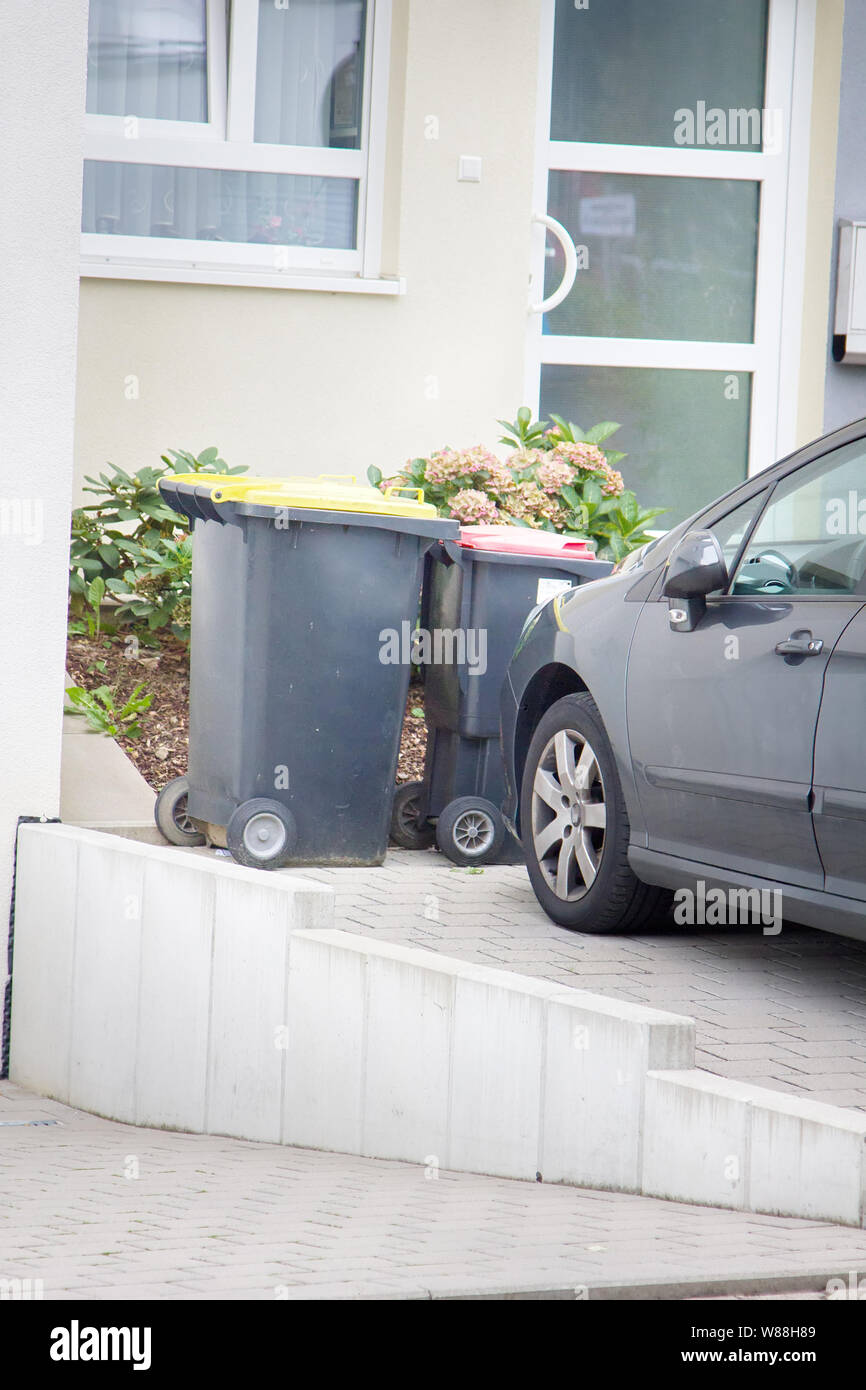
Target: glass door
[663, 149]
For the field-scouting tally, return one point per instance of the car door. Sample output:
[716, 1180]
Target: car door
[840, 765]
[722, 719]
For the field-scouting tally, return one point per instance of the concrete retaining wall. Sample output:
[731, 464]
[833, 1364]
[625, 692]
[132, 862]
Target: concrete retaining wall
[169, 989]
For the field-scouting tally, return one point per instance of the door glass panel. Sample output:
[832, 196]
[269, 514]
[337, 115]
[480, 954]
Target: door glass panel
[664, 257]
[625, 70]
[730, 531]
[156, 200]
[147, 58]
[812, 537]
[309, 73]
[685, 432]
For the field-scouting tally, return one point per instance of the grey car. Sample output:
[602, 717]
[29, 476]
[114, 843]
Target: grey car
[699, 716]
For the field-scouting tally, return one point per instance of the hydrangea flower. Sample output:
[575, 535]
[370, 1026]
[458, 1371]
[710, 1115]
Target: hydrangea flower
[554, 476]
[587, 456]
[526, 458]
[501, 479]
[527, 501]
[473, 508]
[444, 466]
[554, 511]
[479, 459]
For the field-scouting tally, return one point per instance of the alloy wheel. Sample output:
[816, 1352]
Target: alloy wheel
[569, 815]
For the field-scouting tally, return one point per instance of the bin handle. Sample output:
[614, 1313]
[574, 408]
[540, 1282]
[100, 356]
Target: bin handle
[342, 477]
[418, 491]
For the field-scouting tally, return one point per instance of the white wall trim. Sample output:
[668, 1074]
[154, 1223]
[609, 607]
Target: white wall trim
[796, 216]
[632, 352]
[378, 74]
[116, 269]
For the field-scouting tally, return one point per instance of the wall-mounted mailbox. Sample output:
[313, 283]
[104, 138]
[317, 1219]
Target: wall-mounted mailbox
[849, 334]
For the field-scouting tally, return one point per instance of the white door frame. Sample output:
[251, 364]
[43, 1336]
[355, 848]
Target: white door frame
[773, 359]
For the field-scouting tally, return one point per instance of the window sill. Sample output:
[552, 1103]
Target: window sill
[98, 267]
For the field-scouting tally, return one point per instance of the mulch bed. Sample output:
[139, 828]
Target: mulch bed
[160, 751]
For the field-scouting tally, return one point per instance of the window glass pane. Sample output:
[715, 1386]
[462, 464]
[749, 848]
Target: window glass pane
[730, 531]
[219, 205]
[664, 257]
[685, 432]
[625, 70]
[309, 73]
[812, 537]
[148, 58]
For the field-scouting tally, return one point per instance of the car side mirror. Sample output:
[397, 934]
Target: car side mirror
[696, 568]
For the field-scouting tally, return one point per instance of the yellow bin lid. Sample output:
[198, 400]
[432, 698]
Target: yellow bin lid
[327, 492]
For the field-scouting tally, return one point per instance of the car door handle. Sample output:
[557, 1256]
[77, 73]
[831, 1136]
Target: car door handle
[800, 643]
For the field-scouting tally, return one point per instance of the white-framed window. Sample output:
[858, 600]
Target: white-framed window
[236, 141]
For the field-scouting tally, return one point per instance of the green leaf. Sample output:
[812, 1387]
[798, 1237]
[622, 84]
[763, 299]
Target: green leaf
[571, 497]
[110, 554]
[374, 475]
[416, 470]
[592, 493]
[628, 507]
[96, 591]
[648, 513]
[599, 433]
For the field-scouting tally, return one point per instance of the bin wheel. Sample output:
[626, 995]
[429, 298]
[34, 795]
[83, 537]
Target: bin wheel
[470, 831]
[171, 815]
[261, 834]
[406, 830]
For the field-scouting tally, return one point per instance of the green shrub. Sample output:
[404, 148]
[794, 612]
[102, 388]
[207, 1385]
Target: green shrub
[556, 478]
[100, 710]
[137, 547]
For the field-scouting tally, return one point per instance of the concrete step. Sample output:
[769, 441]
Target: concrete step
[100, 787]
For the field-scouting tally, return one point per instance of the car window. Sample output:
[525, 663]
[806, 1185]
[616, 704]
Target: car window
[812, 537]
[730, 530]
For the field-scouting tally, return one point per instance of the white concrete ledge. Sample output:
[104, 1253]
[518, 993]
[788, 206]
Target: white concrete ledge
[744, 1146]
[170, 989]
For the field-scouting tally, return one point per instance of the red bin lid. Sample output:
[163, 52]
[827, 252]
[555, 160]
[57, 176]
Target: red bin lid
[522, 540]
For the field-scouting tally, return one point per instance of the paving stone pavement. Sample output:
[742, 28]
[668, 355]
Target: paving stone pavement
[98, 1210]
[785, 1011]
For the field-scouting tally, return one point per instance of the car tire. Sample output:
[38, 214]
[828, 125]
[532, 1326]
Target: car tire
[575, 828]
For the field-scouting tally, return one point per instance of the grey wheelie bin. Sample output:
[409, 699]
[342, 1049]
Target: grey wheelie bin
[296, 709]
[480, 587]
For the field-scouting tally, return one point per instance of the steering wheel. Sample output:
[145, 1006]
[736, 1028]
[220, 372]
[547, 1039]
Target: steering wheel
[764, 582]
[857, 567]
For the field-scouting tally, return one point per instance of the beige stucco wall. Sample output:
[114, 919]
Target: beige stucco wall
[298, 381]
[41, 106]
